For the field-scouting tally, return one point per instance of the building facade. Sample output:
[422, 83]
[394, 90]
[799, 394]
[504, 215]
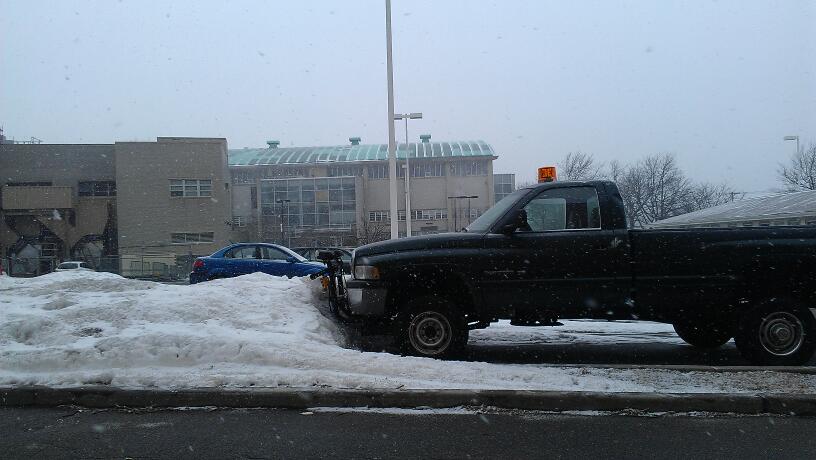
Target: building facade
[339, 195]
[138, 208]
[148, 208]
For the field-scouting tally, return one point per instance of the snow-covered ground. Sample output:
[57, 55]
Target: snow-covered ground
[78, 328]
[577, 332]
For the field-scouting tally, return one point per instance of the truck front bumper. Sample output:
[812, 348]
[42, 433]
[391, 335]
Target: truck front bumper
[366, 298]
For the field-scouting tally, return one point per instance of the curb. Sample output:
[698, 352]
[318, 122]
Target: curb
[106, 397]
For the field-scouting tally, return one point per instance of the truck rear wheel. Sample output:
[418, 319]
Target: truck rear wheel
[776, 334]
[704, 334]
[432, 327]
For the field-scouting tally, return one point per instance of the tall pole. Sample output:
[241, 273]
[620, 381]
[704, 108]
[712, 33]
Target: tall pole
[392, 154]
[407, 185]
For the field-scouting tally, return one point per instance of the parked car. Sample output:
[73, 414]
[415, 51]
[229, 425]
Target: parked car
[311, 253]
[244, 258]
[73, 265]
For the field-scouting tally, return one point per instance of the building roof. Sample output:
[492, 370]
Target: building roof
[355, 153]
[780, 206]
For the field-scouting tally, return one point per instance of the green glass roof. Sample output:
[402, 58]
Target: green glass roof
[354, 153]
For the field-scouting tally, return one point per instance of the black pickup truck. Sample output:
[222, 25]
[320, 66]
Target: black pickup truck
[563, 250]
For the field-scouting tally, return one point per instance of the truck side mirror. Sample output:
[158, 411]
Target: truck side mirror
[517, 221]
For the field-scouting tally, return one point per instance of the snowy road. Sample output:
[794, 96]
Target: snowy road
[67, 329]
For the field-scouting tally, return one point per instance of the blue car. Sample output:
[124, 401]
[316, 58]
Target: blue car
[243, 258]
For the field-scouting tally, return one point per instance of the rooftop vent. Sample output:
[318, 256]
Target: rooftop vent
[273, 144]
[354, 140]
[425, 138]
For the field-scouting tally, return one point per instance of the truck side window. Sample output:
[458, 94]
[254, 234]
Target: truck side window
[565, 208]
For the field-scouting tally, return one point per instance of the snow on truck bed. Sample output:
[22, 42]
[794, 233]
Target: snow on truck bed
[81, 328]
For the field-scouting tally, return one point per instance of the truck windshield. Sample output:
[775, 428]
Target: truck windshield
[483, 222]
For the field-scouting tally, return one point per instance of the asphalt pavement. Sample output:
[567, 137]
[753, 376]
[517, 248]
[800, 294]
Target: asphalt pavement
[66, 432]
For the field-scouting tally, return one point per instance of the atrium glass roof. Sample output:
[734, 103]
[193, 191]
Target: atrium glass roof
[782, 206]
[354, 153]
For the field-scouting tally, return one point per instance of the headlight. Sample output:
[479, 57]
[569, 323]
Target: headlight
[366, 272]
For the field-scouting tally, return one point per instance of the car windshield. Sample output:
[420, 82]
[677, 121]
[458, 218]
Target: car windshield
[486, 220]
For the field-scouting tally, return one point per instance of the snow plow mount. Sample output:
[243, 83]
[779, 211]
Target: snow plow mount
[336, 289]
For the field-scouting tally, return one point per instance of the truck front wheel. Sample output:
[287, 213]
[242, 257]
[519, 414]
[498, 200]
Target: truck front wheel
[776, 334]
[703, 334]
[431, 327]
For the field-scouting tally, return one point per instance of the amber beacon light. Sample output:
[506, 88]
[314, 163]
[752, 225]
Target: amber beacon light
[546, 174]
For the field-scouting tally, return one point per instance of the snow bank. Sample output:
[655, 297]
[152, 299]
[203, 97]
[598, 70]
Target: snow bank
[77, 328]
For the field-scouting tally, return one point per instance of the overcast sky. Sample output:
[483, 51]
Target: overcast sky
[717, 83]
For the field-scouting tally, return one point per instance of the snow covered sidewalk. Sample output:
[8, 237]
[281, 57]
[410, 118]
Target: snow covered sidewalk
[81, 328]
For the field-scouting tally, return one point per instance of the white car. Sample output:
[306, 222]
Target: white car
[73, 265]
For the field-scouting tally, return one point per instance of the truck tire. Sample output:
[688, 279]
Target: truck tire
[431, 327]
[776, 333]
[704, 334]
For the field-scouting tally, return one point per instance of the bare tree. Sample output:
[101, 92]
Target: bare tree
[800, 173]
[655, 188]
[371, 232]
[707, 195]
[579, 166]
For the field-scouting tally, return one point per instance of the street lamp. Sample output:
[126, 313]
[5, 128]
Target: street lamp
[281, 221]
[392, 154]
[793, 138]
[455, 209]
[406, 117]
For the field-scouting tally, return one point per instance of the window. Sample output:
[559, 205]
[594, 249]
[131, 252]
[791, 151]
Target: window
[562, 209]
[190, 188]
[429, 214]
[337, 171]
[428, 169]
[378, 171]
[191, 238]
[239, 221]
[97, 188]
[270, 253]
[243, 252]
[378, 216]
[469, 168]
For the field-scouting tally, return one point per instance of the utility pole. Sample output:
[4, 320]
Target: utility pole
[392, 154]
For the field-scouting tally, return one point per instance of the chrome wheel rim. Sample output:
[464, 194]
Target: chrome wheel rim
[781, 333]
[430, 333]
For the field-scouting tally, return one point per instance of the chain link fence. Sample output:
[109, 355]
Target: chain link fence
[159, 267]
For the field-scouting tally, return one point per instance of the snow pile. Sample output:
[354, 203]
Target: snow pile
[78, 328]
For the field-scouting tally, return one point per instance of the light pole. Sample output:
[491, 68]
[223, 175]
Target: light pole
[406, 117]
[392, 154]
[281, 214]
[793, 138]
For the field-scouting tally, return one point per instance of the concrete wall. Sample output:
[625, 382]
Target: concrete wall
[147, 214]
[60, 164]
[63, 165]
